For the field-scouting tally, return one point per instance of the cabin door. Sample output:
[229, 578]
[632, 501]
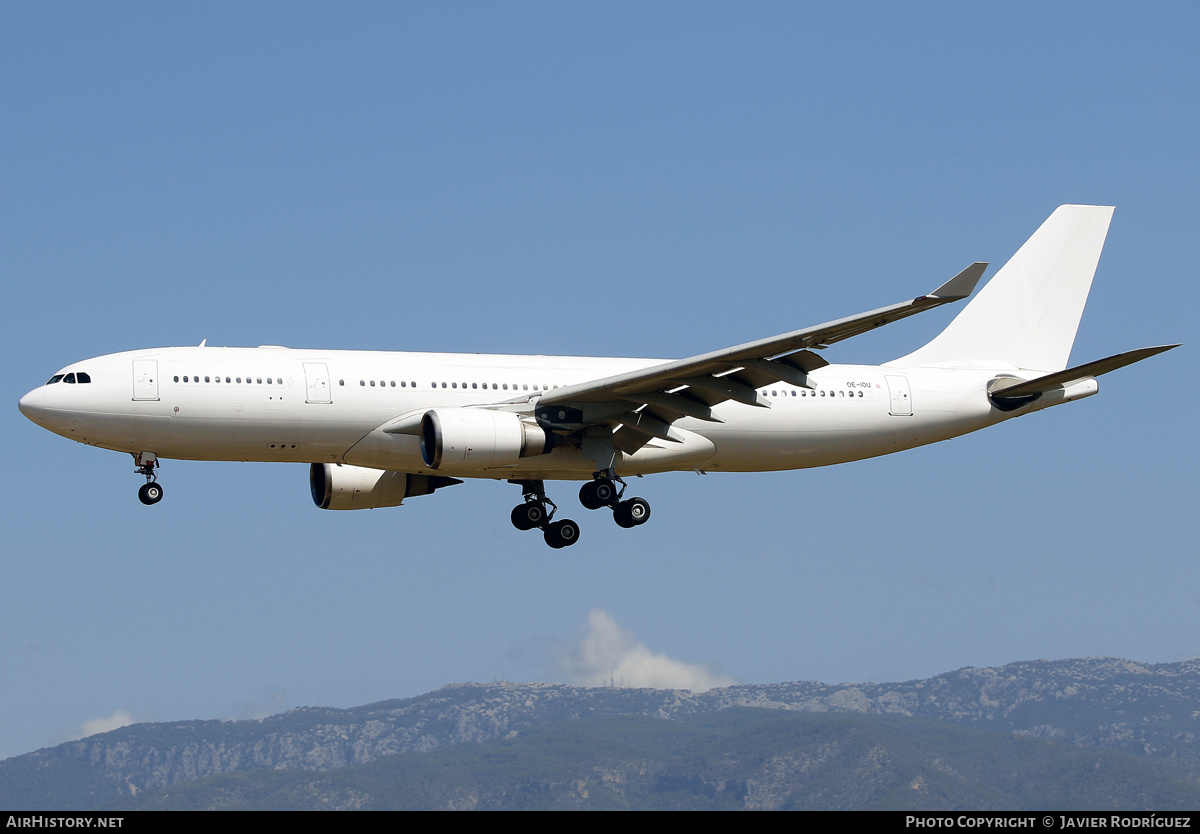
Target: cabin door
[901, 405]
[316, 381]
[145, 379]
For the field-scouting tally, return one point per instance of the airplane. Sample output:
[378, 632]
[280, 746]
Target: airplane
[379, 427]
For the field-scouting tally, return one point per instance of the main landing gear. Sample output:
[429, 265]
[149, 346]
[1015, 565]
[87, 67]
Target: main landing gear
[602, 491]
[151, 492]
[537, 511]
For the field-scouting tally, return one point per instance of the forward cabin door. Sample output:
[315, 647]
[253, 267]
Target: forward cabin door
[145, 379]
[316, 381]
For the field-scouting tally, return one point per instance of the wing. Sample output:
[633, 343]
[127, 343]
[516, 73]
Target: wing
[642, 404]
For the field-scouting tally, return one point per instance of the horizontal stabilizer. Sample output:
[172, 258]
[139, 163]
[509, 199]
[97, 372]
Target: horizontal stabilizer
[1021, 392]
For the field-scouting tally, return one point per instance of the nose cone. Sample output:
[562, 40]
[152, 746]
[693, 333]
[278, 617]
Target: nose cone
[32, 405]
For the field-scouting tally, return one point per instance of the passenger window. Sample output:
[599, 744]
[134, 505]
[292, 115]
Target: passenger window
[372, 383]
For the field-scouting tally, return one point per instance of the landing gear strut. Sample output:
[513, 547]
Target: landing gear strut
[538, 511]
[602, 491]
[150, 492]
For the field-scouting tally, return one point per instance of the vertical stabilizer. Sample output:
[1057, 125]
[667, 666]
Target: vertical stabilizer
[1027, 314]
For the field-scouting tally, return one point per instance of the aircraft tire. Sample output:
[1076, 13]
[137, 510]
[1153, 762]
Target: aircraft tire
[528, 515]
[605, 491]
[150, 494]
[588, 496]
[631, 513]
[562, 534]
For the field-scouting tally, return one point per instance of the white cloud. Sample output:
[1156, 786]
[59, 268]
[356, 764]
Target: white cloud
[604, 652]
[120, 718]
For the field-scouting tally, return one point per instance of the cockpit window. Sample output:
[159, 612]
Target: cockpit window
[54, 379]
[69, 378]
[81, 377]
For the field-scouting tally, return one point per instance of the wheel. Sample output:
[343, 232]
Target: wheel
[528, 515]
[631, 513]
[150, 494]
[606, 492]
[562, 534]
[588, 497]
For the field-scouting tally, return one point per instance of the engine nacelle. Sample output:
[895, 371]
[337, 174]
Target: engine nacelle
[339, 486]
[463, 439]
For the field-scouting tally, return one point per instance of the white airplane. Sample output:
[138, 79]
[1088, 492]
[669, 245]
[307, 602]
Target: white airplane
[379, 427]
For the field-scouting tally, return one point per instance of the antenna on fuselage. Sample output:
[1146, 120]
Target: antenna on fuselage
[203, 342]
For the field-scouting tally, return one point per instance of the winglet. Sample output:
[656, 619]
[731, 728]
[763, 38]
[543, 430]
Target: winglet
[962, 284]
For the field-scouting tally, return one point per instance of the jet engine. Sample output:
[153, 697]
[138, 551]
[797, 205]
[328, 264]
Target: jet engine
[470, 439]
[339, 486]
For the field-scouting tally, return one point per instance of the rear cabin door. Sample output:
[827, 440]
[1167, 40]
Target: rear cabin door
[901, 405]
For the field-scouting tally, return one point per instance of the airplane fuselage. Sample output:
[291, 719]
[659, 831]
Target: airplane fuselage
[307, 406]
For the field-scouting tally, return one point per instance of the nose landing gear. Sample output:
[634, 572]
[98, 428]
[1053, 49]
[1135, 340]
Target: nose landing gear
[538, 511]
[150, 492]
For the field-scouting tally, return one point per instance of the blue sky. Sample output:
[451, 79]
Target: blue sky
[618, 179]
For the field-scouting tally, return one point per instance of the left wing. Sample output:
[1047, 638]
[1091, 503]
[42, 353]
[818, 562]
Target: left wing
[644, 403]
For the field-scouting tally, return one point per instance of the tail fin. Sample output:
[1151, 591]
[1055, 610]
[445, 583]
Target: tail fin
[1028, 313]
